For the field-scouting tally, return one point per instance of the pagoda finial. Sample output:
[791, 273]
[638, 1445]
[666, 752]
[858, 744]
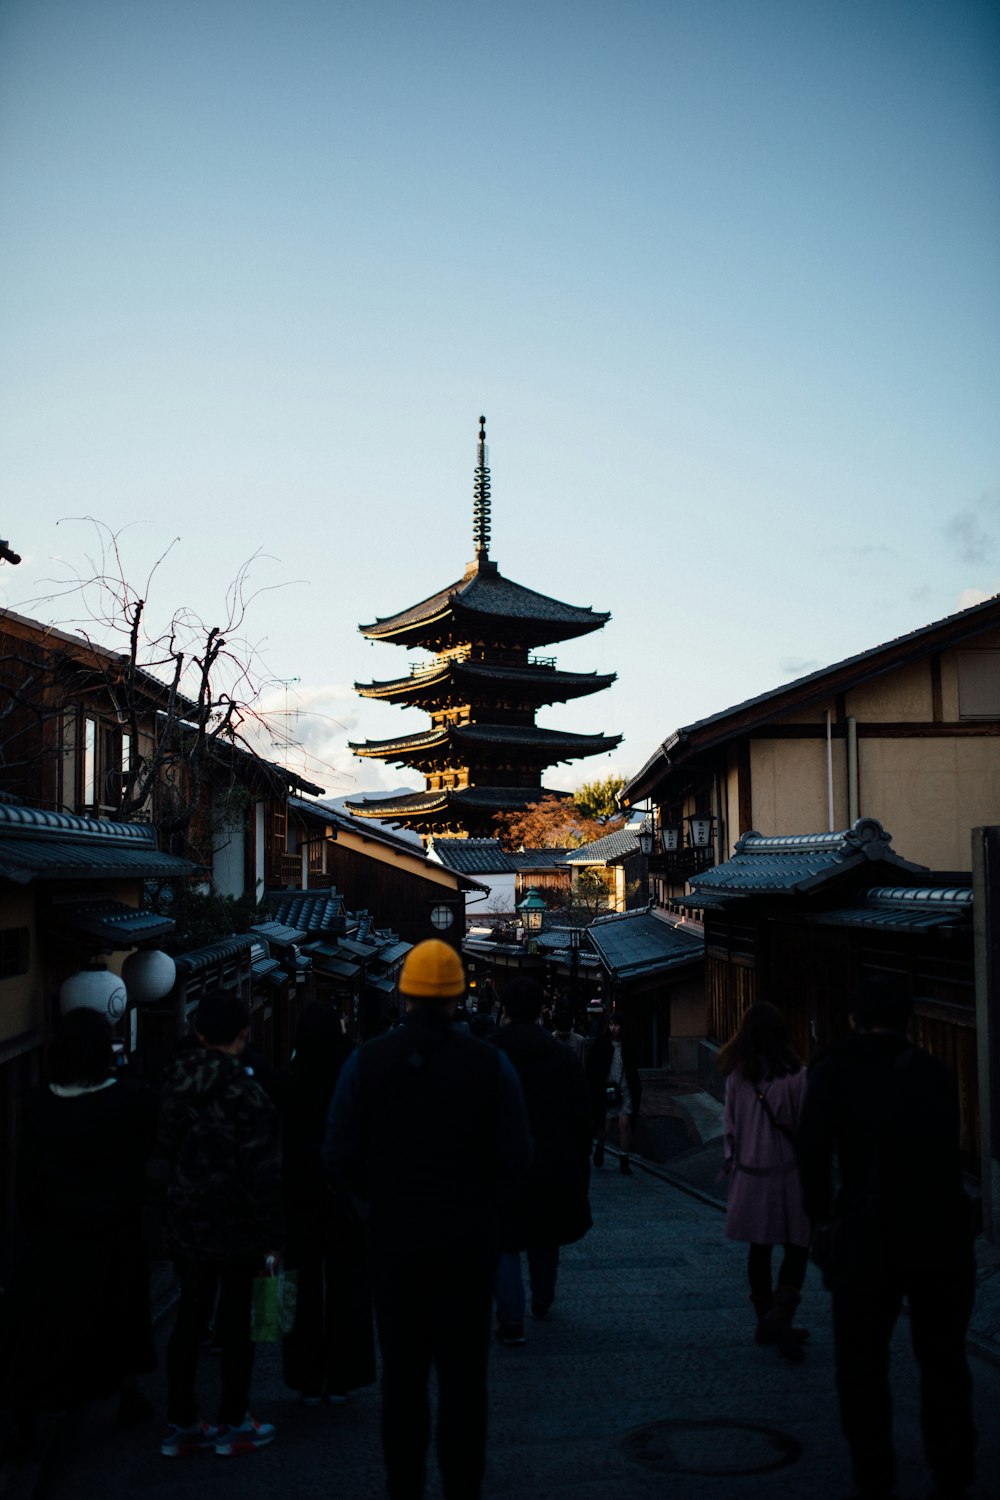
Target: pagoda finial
[481, 498]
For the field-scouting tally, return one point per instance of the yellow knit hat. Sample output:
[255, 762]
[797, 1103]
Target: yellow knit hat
[432, 971]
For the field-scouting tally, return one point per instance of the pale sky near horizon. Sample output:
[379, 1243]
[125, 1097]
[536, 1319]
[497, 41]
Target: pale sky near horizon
[722, 275]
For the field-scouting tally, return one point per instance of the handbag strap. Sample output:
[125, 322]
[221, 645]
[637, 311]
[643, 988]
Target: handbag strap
[785, 1131]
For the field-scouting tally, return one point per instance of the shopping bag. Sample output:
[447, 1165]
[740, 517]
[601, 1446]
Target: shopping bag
[272, 1310]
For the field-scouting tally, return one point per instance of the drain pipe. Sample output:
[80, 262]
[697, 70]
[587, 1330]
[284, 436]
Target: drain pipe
[829, 769]
[853, 811]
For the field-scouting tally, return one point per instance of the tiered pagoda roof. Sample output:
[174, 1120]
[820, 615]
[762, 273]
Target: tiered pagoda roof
[483, 752]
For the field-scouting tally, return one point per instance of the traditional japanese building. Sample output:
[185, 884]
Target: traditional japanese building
[483, 752]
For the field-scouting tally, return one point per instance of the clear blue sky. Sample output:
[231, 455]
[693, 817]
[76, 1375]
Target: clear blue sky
[722, 274]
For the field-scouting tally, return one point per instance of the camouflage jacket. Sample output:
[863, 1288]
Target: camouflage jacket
[220, 1134]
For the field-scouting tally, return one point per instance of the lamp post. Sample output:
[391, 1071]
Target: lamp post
[575, 939]
[531, 911]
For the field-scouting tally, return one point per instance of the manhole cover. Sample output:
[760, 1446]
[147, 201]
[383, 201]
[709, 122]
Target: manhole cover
[731, 1448]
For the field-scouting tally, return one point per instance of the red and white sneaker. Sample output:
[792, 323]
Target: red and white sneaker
[181, 1442]
[243, 1439]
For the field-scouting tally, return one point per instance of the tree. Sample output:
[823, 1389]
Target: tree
[177, 698]
[599, 799]
[556, 822]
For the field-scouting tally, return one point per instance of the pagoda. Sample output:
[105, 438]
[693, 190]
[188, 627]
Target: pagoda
[483, 752]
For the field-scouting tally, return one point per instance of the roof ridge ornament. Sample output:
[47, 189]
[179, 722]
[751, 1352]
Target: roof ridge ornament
[481, 498]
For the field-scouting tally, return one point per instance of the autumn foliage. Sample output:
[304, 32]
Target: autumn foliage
[554, 823]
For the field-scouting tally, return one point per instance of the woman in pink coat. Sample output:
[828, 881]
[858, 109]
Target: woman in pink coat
[765, 1086]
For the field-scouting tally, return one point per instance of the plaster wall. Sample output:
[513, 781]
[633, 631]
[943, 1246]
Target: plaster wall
[227, 860]
[789, 786]
[500, 899]
[930, 794]
[902, 696]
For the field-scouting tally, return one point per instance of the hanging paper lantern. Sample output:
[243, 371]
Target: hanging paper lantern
[96, 989]
[149, 974]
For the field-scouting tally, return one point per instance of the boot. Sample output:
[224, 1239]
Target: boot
[762, 1306]
[625, 1166]
[776, 1326]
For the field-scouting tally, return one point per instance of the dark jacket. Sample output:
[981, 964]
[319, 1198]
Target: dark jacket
[220, 1133]
[553, 1208]
[428, 1127]
[75, 1320]
[597, 1065]
[889, 1113]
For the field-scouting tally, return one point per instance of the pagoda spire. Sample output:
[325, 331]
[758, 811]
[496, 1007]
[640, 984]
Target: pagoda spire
[481, 498]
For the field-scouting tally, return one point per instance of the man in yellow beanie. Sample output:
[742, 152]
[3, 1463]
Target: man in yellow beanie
[428, 1128]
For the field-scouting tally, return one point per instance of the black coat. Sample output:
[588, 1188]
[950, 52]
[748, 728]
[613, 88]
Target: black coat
[75, 1318]
[553, 1208]
[597, 1066]
[428, 1127]
[888, 1113]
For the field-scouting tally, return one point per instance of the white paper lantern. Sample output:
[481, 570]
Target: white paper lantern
[95, 989]
[149, 974]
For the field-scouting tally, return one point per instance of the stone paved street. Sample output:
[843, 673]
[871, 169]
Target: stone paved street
[645, 1382]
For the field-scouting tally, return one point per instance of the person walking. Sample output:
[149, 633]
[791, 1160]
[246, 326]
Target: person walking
[564, 1031]
[331, 1348]
[615, 1089]
[765, 1086]
[76, 1317]
[224, 1222]
[553, 1208]
[428, 1129]
[900, 1226]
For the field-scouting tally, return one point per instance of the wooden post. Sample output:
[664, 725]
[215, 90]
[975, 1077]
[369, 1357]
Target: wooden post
[986, 928]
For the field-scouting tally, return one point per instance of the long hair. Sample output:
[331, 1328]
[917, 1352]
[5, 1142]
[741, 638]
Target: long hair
[759, 1046]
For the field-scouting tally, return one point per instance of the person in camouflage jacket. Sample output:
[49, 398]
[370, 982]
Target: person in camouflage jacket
[220, 1134]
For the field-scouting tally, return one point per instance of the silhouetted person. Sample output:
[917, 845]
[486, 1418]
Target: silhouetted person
[76, 1315]
[224, 1219]
[889, 1114]
[553, 1208]
[615, 1088]
[331, 1348]
[765, 1086]
[428, 1128]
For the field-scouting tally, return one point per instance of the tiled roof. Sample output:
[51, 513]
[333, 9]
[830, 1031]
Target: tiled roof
[113, 922]
[548, 684]
[796, 863]
[488, 593]
[557, 743]
[313, 912]
[906, 909]
[617, 845]
[473, 856]
[211, 954]
[39, 845]
[639, 944]
[504, 799]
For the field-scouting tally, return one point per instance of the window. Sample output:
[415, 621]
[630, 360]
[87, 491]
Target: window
[104, 753]
[979, 684]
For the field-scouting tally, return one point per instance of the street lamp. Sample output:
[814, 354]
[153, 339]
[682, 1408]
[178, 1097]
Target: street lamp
[531, 911]
[699, 830]
[575, 940]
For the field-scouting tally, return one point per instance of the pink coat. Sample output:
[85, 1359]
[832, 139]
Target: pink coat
[765, 1193]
